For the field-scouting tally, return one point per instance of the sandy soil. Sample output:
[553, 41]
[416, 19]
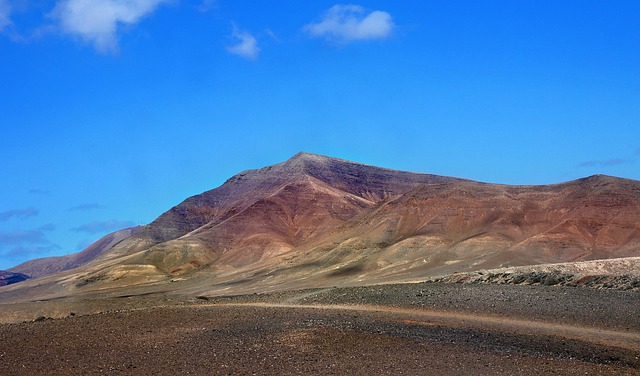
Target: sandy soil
[431, 328]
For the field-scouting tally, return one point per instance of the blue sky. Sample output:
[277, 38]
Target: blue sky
[113, 111]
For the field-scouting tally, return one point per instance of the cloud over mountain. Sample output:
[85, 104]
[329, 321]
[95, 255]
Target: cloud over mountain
[18, 213]
[98, 21]
[16, 245]
[86, 207]
[22, 237]
[47, 227]
[604, 163]
[349, 23]
[31, 250]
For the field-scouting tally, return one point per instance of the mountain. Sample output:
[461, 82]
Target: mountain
[317, 221]
[8, 278]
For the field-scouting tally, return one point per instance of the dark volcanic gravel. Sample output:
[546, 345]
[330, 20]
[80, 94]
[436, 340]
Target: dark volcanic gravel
[204, 336]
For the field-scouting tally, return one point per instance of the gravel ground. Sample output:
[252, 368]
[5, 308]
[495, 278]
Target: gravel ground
[573, 305]
[207, 335]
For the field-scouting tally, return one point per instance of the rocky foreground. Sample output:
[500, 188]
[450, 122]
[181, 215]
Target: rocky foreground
[425, 328]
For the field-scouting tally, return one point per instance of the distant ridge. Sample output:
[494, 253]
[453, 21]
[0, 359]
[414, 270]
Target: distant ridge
[50, 265]
[8, 278]
[315, 221]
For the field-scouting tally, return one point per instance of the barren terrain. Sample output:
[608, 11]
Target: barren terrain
[425, 328]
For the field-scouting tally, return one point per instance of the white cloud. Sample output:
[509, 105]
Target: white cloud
[98, 21]
[5, 12]
[348, 23]
[246, 44]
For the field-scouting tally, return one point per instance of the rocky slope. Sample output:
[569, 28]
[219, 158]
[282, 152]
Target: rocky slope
[317, 221]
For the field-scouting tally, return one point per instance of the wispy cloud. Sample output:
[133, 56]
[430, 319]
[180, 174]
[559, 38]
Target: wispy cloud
[207, 5]
[29, 251]
[245, 44]
[272, 35]
[605, 163]
[37, 191]
[5, 14]
[47, 227]
[101, 227]
[18, 213]
[98, 21]
[16, 246]
[86, 207]
[348, 23]
[22, 237]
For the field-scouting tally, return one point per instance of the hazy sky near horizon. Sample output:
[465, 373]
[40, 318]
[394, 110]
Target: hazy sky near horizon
[114, 111]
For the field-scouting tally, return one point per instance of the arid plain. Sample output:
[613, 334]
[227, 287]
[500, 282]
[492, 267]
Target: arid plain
[432, 329]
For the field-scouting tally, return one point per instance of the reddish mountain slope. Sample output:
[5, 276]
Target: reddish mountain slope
[338, 188]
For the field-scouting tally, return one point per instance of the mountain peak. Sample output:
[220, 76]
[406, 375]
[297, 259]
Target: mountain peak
[303, 163]
[306, 156]
[303, 158]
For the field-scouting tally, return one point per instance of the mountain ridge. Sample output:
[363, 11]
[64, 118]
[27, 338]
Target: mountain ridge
[315, 221]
